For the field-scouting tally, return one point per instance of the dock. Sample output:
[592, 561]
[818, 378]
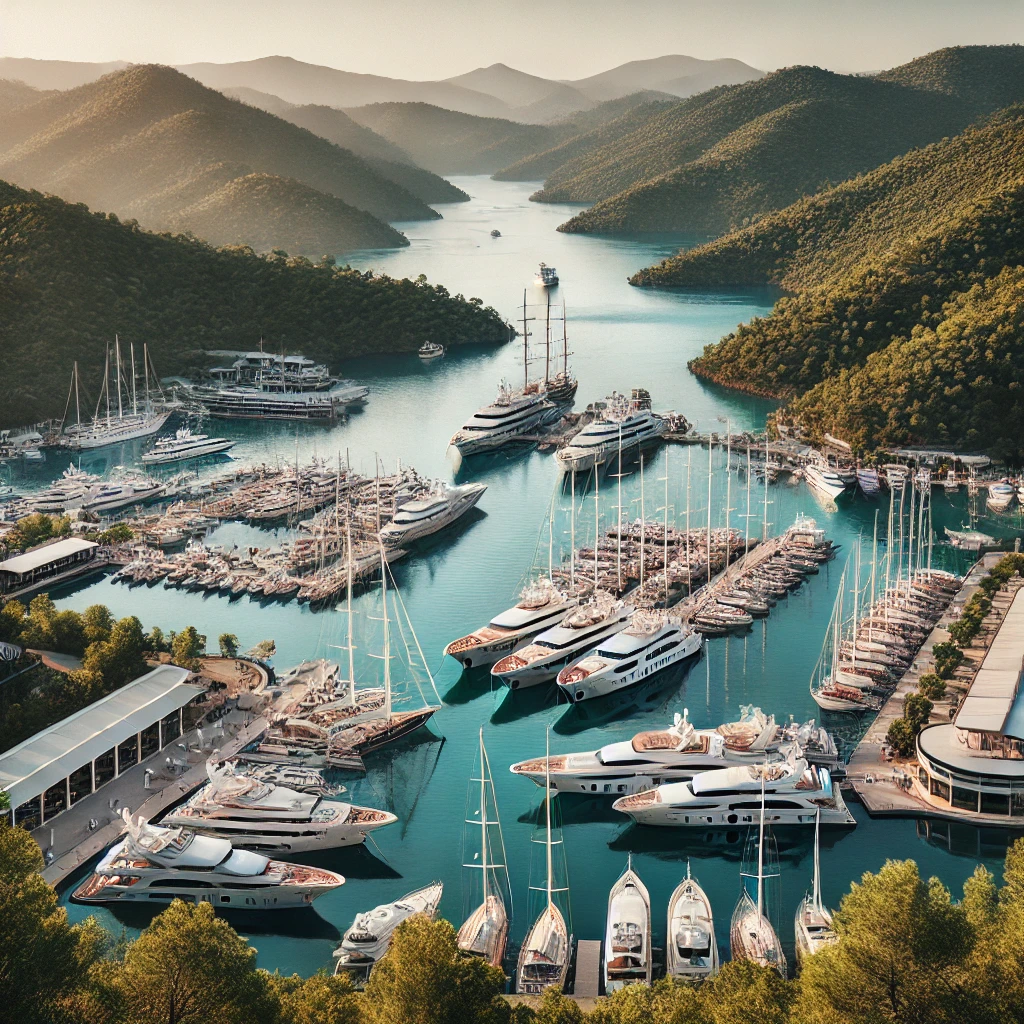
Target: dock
[588, 969]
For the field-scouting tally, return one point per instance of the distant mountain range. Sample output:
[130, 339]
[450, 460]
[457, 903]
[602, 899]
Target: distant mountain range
[495, 91]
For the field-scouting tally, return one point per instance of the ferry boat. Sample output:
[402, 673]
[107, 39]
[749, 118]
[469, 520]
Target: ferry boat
[652, 642]
[627, 934]
[426, 515]
[541, 660]
[541, 605]
[155, 865]
[182, 445]
[624, 426]
[725, 798]
[546, 277]
[260, 815]
[692, 953]
[430, 350]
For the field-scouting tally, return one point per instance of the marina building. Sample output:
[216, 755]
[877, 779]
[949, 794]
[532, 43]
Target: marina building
[51, 563]
[975, 765]
[51, 771]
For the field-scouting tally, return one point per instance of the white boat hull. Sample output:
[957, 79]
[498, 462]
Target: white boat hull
[163, 458]
[729, 816]
[88, 439]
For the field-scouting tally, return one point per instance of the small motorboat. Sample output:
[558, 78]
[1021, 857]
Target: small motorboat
[430, 350]
[692, 948]
[495, 233]
[627, 941]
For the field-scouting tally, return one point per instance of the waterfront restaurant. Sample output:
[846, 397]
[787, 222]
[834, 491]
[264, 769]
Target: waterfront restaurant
[975, 765]
[60, 558]
[53, 770]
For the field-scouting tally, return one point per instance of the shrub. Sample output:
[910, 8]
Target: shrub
[931, 686]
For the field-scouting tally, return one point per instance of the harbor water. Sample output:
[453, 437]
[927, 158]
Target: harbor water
[621, 337]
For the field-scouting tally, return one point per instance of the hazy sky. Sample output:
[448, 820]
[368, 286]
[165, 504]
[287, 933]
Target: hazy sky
[427, 39]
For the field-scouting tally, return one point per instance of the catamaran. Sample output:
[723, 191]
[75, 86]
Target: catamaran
[692, 953]
[627, 935]
[813, 922]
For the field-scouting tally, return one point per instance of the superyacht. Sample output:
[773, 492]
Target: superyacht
[425, 515]
[74, 488]
[182, 445]
[623, 426]
[824, 479]
[128, 489]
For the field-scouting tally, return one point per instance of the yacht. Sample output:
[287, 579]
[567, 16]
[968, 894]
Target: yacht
[432, 512]
[429, 351]
[896, 476]
[182, 445]
[1000, 496]
[153, 864]
[650, 643]
[72, 490]
[724, 797]
[813, 923]
[623, 426]
[869, 481]
[128, 489]
[692, 953]
[824, 479]
[511, 415]
[244, 402]
[541, 660]
[951, 484]
[679, 753]
[546, 277]
[627, 934]
[541, 605]
[369, 936]
[263, 816]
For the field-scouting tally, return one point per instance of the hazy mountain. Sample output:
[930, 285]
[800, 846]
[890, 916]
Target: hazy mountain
[264, 100]
[55, 74]
[722, 72]
[655, 73]
[150, 143]
[14, 94]
[527, 97]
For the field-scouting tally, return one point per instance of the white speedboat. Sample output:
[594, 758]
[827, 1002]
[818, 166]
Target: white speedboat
[369, 936]
[540, 606]
[813, 923]
[263, 816]
[825, 479]
[1001, 496]
[155, 865]
[723, 798]
[652, 642]
[546, 277]
[627, 934]
[692, 949]
[512, 414]
[182, 445]
[429, 351]
[540, 661]
[426, 515]
[624, 426]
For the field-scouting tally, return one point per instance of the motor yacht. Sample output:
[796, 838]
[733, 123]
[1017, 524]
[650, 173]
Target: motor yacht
[541, 660]
[624, 426]
[825, 479]
[1001, 495]
[369, 935]
[724, 797]
[426, 515]
[429, 351]
[868, 479]
[183, 445]
[128, 489]
[541, 605]
[74, 488]
[154, 864]
[512, 414]
[263, 816]
[692, 949]
[546, 277]
[653, 641]
[627, 935]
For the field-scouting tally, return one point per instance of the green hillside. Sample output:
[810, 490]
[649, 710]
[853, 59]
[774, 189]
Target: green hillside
[129, 141]
[70, 279]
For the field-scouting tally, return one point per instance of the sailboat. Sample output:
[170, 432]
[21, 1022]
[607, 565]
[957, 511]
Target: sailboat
[544, 956]
[627, 936]
[692, 947]
[143, 420]
[751, 935]
[485, 932]
[813, 919]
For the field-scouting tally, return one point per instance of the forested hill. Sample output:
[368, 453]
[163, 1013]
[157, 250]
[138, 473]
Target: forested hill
[873, 264]
[70, 279]
[148, 142]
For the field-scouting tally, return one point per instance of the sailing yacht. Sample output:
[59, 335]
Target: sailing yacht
[484, 933]
[183, 445]
[544, 955]
[369, 935]
[751, 935]
[625, 425]
[813, 922]
[627, 935]
[425, 515]
[652, 642]
[260, 815]
[541, 605]
[540, 661]
[144, 419]
[155, 865]
[692, 953]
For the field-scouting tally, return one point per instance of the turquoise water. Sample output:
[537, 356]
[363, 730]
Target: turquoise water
[621, 337]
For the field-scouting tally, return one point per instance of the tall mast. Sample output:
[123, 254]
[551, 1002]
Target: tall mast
[117, 352]
[572, 533]
[145, 370]
[618, 541]
[348, 607]
[760, 854]
[710, 449]
[565, 341]
[483, 813]
[689, 564]
[728, 491]
[78, 408]
[874, 568]
[597, 520]
[547, 802]
[135, 405]
[764, 525]
[664, 556]
[643, 519]
[816, 894]
[526, 345]
[387, 636]
[856, 596]
[551, 539]
[910, 528]
[106, 378]
[547, 339]
[746, 530]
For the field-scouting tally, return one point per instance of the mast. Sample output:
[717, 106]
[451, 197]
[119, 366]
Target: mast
[764, 525]
[597, 520]
[728, 491]
[746, 532]
[856, 595]
[483, 814]
[145, 370]
[664, 557]
[760, 853]
[709, 507]
[547, 339]
[547, 803]
[526, 345]
[816, 893]
[135, 406]
[874, 568]
[387, 636]
[565, 342]
[78, 409]
[689, 564]
[643, 519]
[551, 539]
[348, 607]
[618, 539]
[572, 533]
[106, 379]
[910, 541]
[117, 353]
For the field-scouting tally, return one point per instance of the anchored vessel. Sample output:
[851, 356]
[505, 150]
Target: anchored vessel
[627, 937]
[692, 949]
[72, 490]
[425, 515]
[813, 924]
[624, 426]
[546, 277]
[185, 445]
[129, 488]
[154, 864]
[430, 350]
[822, 477]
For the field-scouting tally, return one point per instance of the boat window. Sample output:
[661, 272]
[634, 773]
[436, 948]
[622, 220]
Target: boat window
[179, 883]
[625, 668]
[664, 649]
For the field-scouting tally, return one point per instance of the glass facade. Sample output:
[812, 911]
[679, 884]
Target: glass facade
[981, 792]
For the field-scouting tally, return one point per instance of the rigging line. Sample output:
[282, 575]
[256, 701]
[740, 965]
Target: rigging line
[423, 659]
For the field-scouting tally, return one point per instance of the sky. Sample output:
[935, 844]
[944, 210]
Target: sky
[561, 39]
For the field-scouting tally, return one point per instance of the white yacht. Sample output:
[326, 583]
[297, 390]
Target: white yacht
[546, 277]
[512, 414]
[825, 479]
[430, 350]
[652, 642]
[432, 512]
[1001, 495]
[540, 661]
[129, 488]
[260, 815]
[541, 605]
[153, 864]
[182, 445]
[728, 797]
[369, 936]
[692, 952]
[72, 490]
[813, 922]
[679, 753]
[626, 425]
[627, 935]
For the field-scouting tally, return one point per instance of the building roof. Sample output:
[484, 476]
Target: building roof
[48, 553]
[940, 743]
[43, 760]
